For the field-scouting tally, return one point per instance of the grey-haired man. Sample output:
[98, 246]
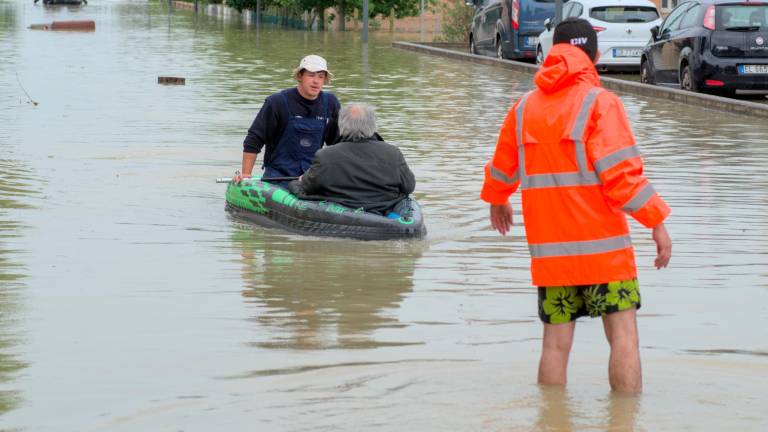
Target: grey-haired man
[361, 171]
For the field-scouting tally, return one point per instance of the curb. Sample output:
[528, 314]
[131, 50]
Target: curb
[700, 100]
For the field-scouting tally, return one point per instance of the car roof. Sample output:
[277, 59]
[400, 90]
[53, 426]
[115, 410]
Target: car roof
[597, 3]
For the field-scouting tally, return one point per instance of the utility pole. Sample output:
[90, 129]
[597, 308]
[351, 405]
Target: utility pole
[365, 21]
[421, 19]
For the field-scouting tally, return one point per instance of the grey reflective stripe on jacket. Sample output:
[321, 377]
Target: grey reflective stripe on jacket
[582, 177]
[500, 176]
[543, 250]
[638, 201]
[607, 162]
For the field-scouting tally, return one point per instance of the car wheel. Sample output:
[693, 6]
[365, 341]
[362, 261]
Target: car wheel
[646, 76]
[539, 55]
[686, 79]
[499, 49]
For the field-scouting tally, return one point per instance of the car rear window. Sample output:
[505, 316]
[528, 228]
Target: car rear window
[741, 17]
[624, 14]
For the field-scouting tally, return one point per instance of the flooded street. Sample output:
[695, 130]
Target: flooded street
[130, 301]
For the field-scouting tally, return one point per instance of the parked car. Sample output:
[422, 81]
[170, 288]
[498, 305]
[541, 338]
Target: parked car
[623, 30]
[716, 46]
[508, 28]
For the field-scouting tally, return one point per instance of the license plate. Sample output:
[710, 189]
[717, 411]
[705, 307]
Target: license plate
[531, 40]
[753, 69]
[627, 52]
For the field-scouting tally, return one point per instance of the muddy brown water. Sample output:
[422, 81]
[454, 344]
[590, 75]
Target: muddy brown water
[130, 301]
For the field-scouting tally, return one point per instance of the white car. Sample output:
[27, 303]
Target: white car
[623, 30]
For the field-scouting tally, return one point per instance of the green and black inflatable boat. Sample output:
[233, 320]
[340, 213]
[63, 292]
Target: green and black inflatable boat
[272, 206]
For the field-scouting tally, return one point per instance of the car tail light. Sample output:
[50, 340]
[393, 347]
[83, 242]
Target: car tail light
[709, 18]
[515, 14]
[598, 29]
[714, 83]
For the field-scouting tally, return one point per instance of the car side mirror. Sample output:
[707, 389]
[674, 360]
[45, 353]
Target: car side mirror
[655, 32]
[471, 2]
[548, 24]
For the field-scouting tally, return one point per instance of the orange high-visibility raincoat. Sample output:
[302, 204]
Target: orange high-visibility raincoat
[579, 171]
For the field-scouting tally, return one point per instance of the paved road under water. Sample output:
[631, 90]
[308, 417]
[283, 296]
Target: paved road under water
[130, 301]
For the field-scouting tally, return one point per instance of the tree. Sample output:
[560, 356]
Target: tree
[401, 8]
[457, 21]
[241, 5]
[317, 9]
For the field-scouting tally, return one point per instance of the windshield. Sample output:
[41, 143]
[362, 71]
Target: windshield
[741, 17]
[624, 14]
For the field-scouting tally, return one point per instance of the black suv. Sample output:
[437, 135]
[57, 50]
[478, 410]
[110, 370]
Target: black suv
[715, 46]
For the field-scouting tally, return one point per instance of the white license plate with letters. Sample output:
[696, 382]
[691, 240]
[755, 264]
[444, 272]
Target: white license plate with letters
[531, 40]
[753, 69]
[627, 52]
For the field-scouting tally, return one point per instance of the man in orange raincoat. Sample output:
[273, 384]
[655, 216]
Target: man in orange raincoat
[569, 147]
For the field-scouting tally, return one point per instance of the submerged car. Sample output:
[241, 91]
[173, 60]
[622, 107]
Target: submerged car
[714, 46]
[623, 29]
[508, 28]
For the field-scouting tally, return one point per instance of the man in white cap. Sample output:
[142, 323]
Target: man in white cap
[293, 125]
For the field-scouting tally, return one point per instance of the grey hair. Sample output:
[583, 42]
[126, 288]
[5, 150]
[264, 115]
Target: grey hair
[357, 121]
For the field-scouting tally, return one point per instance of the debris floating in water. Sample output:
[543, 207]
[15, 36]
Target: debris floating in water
[25, 91]
[171, 80]
[66, 25]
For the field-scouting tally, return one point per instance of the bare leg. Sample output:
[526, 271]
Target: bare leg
[624, 371]
[556, 347]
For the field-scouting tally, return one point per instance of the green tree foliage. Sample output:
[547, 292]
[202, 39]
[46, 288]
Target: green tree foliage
[402, 8]
[344, 8]
[241, 5]
[457, 18]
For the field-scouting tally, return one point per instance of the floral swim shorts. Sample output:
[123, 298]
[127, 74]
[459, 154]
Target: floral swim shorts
[562, 304]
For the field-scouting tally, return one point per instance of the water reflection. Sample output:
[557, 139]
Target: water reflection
[14, 185]
[559, 412]
[314, 293]
[312, 303]
[7, 18]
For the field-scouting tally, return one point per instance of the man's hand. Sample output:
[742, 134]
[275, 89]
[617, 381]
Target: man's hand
[501, 218]
[249, 160]
[663, 246]
[239, 177]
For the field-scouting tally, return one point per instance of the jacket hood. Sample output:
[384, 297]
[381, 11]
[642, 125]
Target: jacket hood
[565, 65]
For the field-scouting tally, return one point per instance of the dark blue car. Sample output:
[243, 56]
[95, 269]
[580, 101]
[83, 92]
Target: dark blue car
[508, 28]
[714, 46]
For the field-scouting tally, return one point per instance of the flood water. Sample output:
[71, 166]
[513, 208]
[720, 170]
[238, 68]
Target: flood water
[130, 301]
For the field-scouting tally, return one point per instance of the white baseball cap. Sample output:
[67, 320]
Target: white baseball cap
[312, 63]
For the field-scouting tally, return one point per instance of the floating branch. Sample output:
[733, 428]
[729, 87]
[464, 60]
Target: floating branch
[25, 91]
[171, 80]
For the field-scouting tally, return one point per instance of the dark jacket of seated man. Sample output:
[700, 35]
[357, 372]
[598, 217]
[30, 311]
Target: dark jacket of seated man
[360, 171]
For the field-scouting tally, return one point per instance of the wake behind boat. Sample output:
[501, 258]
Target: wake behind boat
[272, 206]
